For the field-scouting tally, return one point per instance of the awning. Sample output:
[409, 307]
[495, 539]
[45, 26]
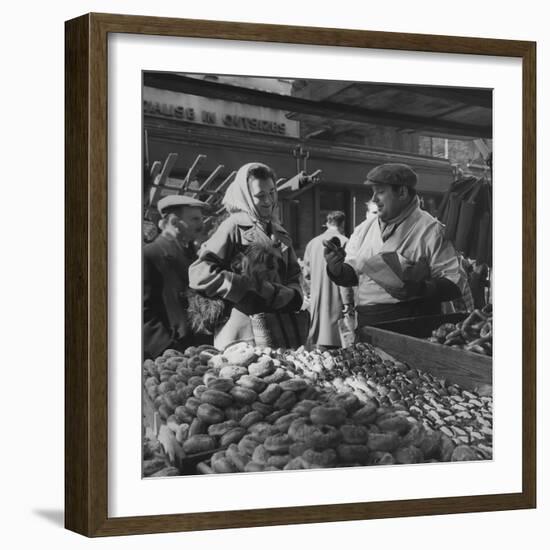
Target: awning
[336, 106]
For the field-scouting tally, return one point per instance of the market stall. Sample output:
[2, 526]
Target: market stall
[405, 392]
[259, 409]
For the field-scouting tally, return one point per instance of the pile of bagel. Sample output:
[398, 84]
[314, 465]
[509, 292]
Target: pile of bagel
[466, 416]
[475, 333]
[252, 409]
[337, 432]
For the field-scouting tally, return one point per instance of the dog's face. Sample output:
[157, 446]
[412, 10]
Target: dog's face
[258, 261]
[206, 314]
[264, 271]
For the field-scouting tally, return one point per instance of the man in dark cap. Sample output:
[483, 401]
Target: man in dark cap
[431, 272]
[166, 264]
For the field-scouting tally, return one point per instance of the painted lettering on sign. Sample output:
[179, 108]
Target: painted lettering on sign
[208, 117]
[246, 123]
[215, 112]
[164, 109]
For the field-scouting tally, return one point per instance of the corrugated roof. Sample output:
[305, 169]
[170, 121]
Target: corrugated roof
[430, 110]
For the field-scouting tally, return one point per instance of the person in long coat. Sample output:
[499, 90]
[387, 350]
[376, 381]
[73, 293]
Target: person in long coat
[327, 300]
[251, 201]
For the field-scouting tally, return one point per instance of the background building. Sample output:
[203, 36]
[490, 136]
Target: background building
[217, 123]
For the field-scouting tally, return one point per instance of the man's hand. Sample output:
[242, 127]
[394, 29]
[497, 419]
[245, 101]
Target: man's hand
[409, 290]
[338, 271]
[334, 256]
[415, 277]
[419, 271]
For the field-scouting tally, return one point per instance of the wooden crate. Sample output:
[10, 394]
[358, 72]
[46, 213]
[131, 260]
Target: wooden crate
[468, 370]
[421, 327]
[186, 463]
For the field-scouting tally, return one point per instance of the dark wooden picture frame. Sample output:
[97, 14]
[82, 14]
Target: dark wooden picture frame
[86, 281]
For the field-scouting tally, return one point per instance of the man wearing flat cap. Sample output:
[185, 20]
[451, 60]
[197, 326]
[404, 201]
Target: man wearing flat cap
[166, 264]
[431, 273]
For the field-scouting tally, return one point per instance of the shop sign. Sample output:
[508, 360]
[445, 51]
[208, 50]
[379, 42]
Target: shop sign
[217, 112]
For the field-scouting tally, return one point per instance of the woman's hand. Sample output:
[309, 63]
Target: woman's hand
[269, 297]
[251, 303]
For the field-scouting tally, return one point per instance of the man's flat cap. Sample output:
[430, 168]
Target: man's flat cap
[392, 174]
[178, 200]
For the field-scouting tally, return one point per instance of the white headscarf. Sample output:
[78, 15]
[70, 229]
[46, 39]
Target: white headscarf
[238, 197]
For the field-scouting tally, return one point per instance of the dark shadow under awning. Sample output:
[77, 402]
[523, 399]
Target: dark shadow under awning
[336, 107]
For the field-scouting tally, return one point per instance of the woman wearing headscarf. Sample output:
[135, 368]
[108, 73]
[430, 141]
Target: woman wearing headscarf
[251, 201]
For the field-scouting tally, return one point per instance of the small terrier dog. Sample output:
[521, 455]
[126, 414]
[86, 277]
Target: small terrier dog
[258, 262]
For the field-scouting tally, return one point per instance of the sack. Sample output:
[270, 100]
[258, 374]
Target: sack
[280, 330]
[346, 328]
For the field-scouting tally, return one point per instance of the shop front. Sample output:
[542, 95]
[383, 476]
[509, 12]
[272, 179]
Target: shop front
[231, 134]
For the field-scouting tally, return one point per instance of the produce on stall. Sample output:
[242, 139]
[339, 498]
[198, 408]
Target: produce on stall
[474, 334]
[253, 409]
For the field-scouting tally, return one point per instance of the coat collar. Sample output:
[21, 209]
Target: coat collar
[244, 220]
[387, 229]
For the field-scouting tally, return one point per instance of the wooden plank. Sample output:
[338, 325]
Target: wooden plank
[146, 147]
[421, 327]
[293, 184]
[78, 385]
[160, 180]
[227, 181]
[169, 163]
[155, 170]
[188, 464]
[210, 192]
[209, 180]
[468, 370]
[151, 190]
[192, 172]
[148, 412]
[314, 176]
[175, 184]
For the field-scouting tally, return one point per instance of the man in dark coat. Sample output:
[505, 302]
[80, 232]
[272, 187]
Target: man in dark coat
[166, 264]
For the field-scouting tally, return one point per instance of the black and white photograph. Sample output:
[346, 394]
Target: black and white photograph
[273, 296]
[316, 274]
